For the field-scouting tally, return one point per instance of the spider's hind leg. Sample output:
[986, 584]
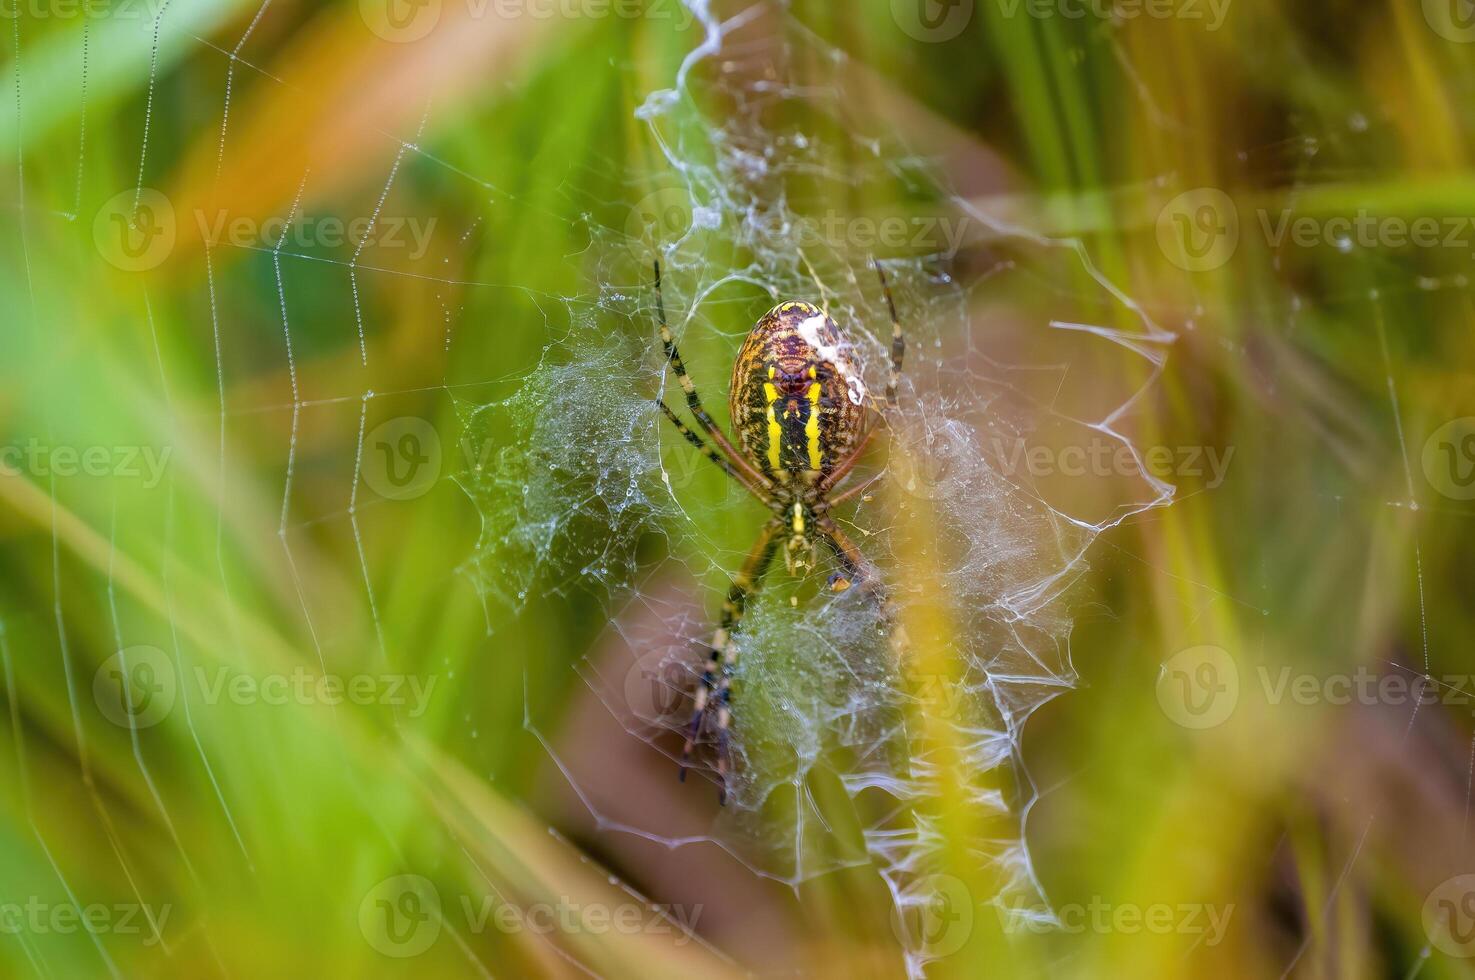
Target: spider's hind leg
[716, 682]
[859, 572]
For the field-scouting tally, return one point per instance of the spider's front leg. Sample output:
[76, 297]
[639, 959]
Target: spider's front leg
[838, 474]
[730, 459]
[722, 656]
[898, 339]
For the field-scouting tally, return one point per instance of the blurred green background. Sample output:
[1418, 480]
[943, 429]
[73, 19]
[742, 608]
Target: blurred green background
[265, 656]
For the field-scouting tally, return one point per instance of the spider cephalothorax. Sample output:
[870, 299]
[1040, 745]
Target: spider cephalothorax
[800, 412]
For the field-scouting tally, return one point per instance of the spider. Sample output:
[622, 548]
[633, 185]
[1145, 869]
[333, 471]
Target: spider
[800, 415]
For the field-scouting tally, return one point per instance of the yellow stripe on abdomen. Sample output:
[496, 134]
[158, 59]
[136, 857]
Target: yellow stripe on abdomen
[811, 428]
[775, 431]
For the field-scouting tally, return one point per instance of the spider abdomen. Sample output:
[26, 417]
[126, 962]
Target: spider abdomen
[797, 399]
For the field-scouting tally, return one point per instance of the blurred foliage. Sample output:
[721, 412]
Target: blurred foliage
[259, 837]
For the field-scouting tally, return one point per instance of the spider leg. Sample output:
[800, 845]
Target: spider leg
[898, 353]
[711, 453]
[830, 503]
[722, 656]
[898, 339]
[864, 575]
[694, 402]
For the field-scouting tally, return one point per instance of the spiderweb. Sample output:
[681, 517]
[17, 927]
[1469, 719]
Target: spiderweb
[760, 196]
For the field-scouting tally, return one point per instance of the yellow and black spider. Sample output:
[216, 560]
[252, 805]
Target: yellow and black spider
[799, 409]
